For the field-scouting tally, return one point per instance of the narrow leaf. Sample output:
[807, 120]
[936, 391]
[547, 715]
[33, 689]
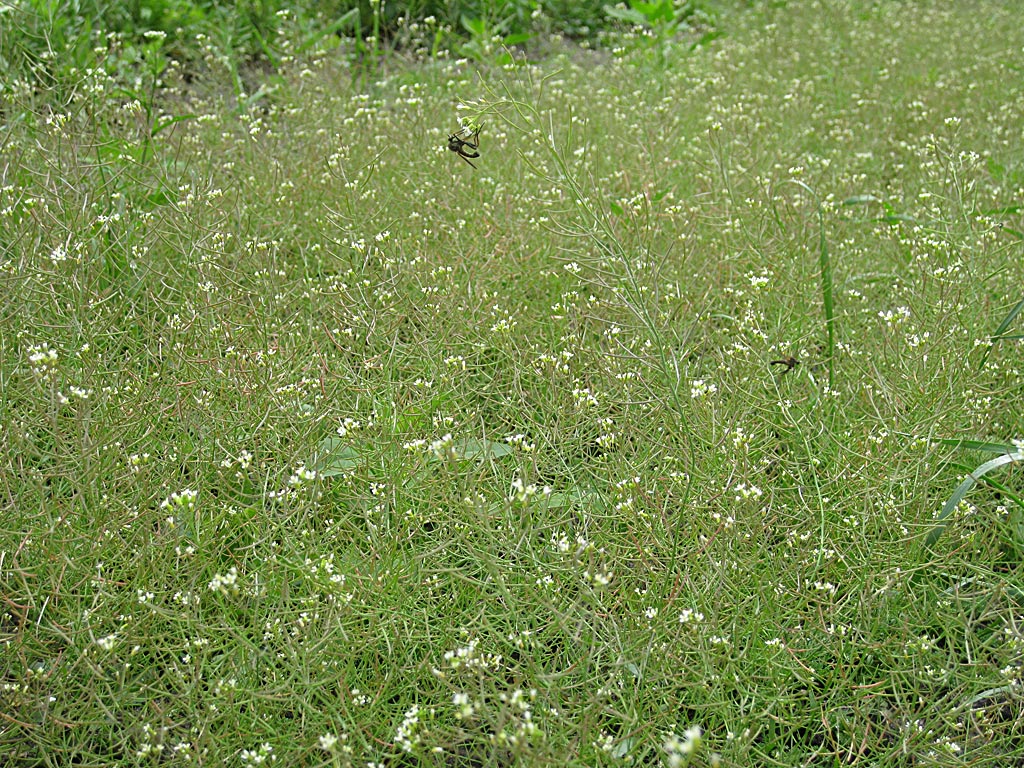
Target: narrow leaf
[976, 445]
[169, 121]
[962, 490]
[997, 335]
[861, 200]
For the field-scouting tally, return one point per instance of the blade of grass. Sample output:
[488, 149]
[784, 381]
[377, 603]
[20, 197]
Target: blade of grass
[827, 294]
[349, 19]
[973, 445]
[962, 490]
[998, 335]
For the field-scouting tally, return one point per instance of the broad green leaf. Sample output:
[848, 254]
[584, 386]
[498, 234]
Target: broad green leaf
[476, 449]
[336, 457]
[621, 749]
[625, 14]
[480, 449]
[475, 27]
[517, 38]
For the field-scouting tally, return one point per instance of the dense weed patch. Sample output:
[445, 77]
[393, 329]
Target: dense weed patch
[321, 447]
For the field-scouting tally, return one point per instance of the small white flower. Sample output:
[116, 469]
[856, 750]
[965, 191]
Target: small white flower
[327, 742]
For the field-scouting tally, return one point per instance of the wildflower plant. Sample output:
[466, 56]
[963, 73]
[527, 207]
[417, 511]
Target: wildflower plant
[321, 449]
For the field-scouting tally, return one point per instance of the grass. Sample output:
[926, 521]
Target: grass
[322, 448]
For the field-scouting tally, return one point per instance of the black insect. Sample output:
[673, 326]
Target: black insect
[789, 361]
[460, 141]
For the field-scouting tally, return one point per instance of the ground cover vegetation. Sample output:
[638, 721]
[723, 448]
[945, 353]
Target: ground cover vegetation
[683, 430]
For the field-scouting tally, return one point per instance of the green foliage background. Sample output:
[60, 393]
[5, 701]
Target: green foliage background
[321, 447]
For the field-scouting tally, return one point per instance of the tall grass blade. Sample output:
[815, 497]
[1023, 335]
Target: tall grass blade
[827, 294]
[962, 490]
[974, 445]
[999, 334]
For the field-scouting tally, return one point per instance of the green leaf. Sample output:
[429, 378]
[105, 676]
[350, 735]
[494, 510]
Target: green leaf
[476, 449]
[167, 122]
[962, 490]
[1000, 331]
[349, 19]
[481, 449]
[625, 14]
[827, 288]
[976, 445]
[475, 27]
[558, 500]
[708, 37]
[336, 457]
[516, 39]
[1004, 693]
[1008, 319]
[659, 12]
[582, 497]
[621, 749]
[159, 197]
